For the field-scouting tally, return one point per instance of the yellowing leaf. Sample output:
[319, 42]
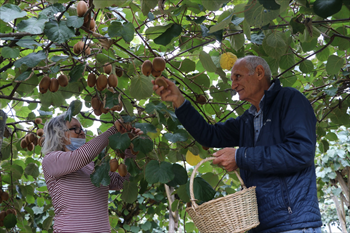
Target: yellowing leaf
[192, 159]
[227, 60]
[154, 135]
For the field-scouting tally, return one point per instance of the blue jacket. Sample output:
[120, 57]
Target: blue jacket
[281, 162]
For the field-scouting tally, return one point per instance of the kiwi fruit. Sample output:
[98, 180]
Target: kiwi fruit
[27, 139]
[30, 146]
[91, 81]
[87, 51]
[95, 103]
[161, 82]
[101, 82]
[201, 99]
[132, 149]
[44, 84]
[62, 80]
[82, 8]
[119, 71]
[54, 85]
[122, 170]
[24, 143]
[156, 73]
[112, 80]
[158, 64]
[113, 164]
[97, 112]
[78, 47]
[40, 132]
[38, 121]
[147, 67]
[41, 141]
[11, 211]
[35, 141]
[92, 25]
[31, 137]
[2, 215]
[117, 107]
[5, 196]
[107, 68]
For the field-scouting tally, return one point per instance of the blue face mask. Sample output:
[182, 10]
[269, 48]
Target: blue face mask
[75, 143]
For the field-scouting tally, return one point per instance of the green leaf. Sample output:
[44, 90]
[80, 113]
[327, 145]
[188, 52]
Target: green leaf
[213, 5]
[119, 141]
[10, 220]
[287, 60]
[51, 10]
[9, 12]
[28, 42]
[111, 99]
[147, 5]
[326, 8]
[166, 37]
[306, 66]
[75, 21]
[187, 65]
[269, 5]
[146, 127]
[31, 60]
[141, 87]
[32, 170]
[323, 55]
[181, 176]
[73, 109]
[334, 64]
[221, 25]
[296, 25]
[257, 15]
[183, 194]
[76, 73]
[47, 223]
[23, 76]
[258, 38]
[202, 190]
[101, 174]
[237, 41]
[198, 83]
[132, 167]
[179, 135]
[159, 172]
[8, 52]
[58, 31]
[107, 3]
[143, 144]
[207, 62]
[124, 30]
[130, 192]
[275, 45]
[33, 25]
[197, 20]
[332, 136]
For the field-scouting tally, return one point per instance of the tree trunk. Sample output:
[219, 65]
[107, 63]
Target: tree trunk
[173, 216]
[340, 213]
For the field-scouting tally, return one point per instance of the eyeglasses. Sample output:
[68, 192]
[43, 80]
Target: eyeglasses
[78, 130]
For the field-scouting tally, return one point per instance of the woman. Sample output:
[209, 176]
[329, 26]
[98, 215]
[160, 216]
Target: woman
[67, 165]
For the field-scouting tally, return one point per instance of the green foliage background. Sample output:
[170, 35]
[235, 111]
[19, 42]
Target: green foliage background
[305, 42]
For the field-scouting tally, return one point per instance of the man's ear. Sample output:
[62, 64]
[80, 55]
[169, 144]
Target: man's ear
[260, 71]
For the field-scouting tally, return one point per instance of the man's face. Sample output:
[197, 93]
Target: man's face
[247, 86]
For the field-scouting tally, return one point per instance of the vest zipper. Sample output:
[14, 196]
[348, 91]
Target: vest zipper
[287, 194]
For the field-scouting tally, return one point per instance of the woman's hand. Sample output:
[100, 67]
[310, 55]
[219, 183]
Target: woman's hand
[126, 127]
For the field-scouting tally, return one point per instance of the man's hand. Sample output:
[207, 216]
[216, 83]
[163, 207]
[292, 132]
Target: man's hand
[171, 93]
[226, 158]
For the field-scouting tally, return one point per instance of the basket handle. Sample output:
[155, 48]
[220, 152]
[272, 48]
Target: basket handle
[193, 200]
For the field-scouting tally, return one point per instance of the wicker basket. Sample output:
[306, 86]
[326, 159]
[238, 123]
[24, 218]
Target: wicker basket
[237, 212]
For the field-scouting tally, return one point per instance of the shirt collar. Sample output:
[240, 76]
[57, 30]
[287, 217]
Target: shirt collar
[252, 109]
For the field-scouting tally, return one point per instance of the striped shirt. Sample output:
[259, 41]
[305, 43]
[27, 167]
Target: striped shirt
[79, 205]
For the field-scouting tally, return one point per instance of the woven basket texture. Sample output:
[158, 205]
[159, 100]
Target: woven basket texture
[237, 212]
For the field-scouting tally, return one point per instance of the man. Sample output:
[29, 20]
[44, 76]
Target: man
[276, 139]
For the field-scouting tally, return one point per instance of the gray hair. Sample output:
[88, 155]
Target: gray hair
[54, 132]
[253, 61]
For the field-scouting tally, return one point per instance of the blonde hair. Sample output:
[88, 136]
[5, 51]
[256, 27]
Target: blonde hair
[54, 132]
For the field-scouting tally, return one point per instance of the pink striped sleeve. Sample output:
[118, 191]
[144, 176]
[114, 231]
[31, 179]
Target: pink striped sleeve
[117, 180]
[60, 163]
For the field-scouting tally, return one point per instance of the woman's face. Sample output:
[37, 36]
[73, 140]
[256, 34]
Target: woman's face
[74, 129]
